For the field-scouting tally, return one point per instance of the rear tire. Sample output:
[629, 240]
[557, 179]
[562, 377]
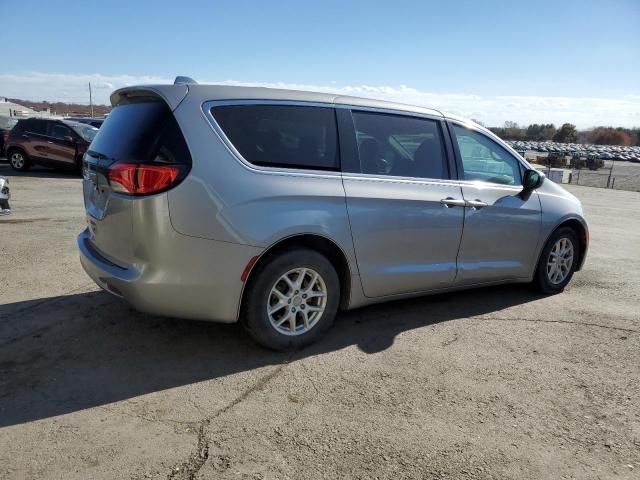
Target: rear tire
[558, 261]
[291, 300]
[18, 160]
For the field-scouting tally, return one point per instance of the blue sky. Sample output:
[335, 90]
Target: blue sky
[493, 54]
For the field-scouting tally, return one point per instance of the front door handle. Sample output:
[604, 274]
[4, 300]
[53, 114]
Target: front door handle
[452, 202]
[476, 204]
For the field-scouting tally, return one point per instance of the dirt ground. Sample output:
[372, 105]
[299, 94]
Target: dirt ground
[492, 383]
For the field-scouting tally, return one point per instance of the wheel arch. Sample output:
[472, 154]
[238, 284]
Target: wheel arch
[13, 148]
[582, 233]
[319, 243]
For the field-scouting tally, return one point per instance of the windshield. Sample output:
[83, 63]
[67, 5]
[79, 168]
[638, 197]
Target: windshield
[85, 131]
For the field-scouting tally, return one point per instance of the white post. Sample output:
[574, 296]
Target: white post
[91, 100]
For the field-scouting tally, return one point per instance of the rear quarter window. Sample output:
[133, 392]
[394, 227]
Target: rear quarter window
[282, 135]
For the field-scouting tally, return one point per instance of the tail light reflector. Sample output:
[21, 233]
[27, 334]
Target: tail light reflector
[247, 269]
[142, 179]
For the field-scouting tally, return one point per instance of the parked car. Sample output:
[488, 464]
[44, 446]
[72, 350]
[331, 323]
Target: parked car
[94, 122]
[277, 208]
[6, 124]
[48, 142]
[5, 196]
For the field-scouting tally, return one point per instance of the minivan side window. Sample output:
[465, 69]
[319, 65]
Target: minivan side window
[484, 160]
[287, 136]
[399, 145]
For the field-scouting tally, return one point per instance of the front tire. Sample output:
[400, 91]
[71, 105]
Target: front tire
[558, 261]
[291, 300]
[18, 160]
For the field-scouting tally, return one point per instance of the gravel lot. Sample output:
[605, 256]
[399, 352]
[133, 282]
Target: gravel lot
[493, 383]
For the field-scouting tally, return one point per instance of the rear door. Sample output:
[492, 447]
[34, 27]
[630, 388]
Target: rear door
[406, 214]
[143, 131]
[501, 228]
[34, 139]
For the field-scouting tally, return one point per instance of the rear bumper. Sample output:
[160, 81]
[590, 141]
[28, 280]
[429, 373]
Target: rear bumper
[200, 280]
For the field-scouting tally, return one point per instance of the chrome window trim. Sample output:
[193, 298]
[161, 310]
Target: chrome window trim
[307, 172]
[369, 177]
[430, 181]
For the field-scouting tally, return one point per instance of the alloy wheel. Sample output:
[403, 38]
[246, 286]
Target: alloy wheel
[17, 160]
[297, 301]
[560, 261]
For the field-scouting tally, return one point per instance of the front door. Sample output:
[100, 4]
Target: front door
[406, 214]
[501, 228]
[60, 147]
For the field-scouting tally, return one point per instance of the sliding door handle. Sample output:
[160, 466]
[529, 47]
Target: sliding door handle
[452, 202]
[476, 204]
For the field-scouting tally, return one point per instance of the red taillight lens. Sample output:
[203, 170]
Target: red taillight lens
[5, 136]
[141, 179]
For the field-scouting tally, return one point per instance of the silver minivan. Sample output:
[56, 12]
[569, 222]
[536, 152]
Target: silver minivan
[277, 208]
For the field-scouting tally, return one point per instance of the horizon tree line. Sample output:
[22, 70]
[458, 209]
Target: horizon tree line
[568, 133]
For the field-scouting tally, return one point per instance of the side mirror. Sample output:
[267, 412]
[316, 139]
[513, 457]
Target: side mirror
[530, 181]
[68, 139]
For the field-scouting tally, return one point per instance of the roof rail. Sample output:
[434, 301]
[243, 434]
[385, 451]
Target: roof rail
[180, 79]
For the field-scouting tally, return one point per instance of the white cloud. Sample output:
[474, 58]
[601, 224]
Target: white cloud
[68, 87]
[489, 109]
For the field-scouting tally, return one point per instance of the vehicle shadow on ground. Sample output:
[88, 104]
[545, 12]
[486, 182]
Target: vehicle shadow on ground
[65, 354]
[37, 172]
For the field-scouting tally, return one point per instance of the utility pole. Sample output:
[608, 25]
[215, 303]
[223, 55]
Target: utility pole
[90, 100]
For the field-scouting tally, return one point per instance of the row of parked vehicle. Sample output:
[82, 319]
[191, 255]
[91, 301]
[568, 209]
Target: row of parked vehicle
[579, 150]
[51, 142]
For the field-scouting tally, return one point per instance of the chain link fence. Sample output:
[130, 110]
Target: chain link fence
[615, 174]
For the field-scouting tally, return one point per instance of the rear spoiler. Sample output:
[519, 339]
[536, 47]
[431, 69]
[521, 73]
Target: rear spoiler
[171, 94]
[180, 80]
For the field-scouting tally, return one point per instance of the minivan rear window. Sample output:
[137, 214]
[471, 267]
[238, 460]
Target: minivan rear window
[282, 135]
[141, 132]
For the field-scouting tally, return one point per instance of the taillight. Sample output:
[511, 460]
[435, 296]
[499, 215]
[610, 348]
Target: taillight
[142, 179]
[5, 136]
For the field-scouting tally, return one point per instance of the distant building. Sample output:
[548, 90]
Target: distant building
[15, 110]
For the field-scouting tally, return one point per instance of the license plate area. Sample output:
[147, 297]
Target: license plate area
[95, 188]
